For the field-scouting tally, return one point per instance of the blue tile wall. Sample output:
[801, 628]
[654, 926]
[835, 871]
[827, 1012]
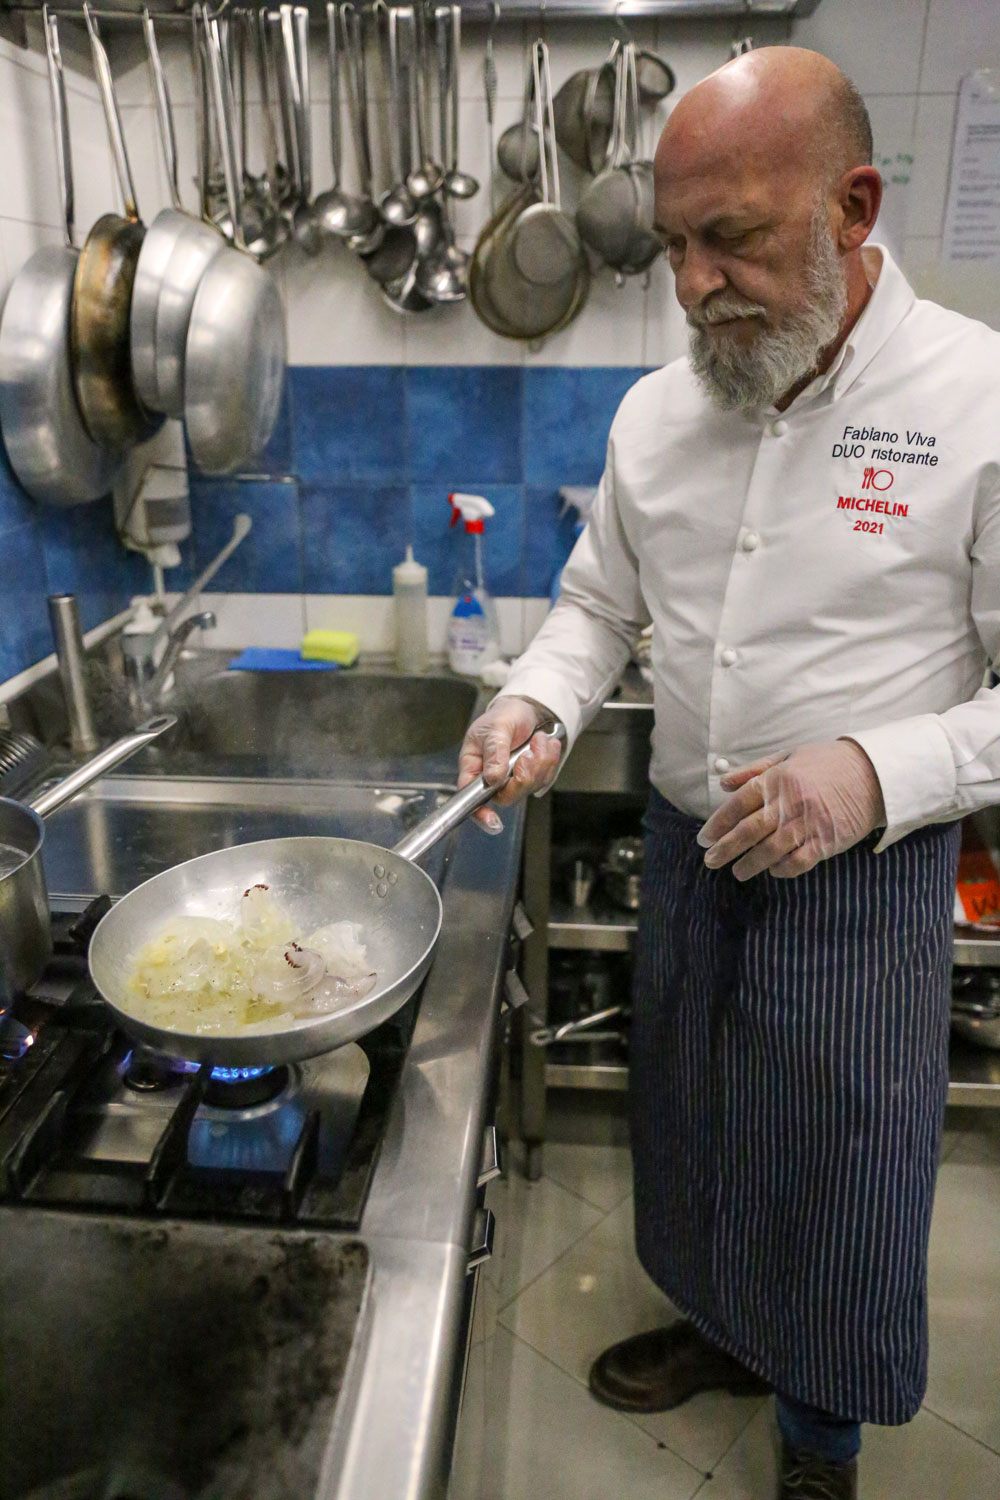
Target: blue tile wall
[46, 550]
[350, 533]
[361, 463]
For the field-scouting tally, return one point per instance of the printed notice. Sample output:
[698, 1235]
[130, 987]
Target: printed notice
[972, 218]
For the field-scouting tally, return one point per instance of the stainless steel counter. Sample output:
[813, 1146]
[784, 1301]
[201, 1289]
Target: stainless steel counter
[392, 1437]
[391, 1433]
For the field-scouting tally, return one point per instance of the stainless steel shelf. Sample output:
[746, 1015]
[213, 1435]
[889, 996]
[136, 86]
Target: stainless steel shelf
[613, 1076]
[600, 929]
[975, 949]
[603, 929]
[974, 1076]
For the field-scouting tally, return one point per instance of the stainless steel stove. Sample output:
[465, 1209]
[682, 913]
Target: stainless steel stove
[181, 1284]
[87, 1120]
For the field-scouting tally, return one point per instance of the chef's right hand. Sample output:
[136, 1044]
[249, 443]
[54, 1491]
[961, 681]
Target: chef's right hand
[506, 724]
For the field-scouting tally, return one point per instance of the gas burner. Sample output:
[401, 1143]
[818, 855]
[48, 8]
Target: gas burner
[148, 1072]
[241, 1088]
[15, 1039]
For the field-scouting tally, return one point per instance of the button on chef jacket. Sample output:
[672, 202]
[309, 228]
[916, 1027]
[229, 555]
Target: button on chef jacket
[830, 570]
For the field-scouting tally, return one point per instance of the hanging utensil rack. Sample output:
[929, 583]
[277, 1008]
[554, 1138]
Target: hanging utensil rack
[12, 16]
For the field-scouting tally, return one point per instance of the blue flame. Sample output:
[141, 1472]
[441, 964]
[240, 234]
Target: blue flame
[239, 1075]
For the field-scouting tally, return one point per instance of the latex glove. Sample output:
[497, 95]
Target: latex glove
[506, 724]
[788, 812]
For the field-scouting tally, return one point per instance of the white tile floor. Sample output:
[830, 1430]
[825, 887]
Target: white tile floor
[565, 1283]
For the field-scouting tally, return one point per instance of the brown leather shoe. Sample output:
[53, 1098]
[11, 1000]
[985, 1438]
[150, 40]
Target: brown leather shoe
[659, 1370]
[804, 1476]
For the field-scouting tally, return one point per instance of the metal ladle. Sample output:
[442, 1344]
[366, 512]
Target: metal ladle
[272, 229]
[396, 204]
[457, 184]
[367, 239]
[295, 36]
[339, 214]
[425, 175]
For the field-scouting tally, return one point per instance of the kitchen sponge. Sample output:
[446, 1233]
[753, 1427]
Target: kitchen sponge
[330, 645]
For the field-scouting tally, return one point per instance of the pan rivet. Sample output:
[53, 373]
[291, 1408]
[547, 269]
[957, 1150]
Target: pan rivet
[393, 877]
[381, 889]
[380, 872]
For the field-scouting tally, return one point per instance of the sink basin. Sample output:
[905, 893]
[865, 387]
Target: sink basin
[216, 1376]
[323, 722]
[128, 828]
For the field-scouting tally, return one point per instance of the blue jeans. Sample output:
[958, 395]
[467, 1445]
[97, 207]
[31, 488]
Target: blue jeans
[809, 1430]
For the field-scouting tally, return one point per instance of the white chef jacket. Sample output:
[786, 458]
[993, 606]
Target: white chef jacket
[830, 570]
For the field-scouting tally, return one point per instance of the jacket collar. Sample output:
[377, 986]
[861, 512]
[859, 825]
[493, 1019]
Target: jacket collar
[891, 299]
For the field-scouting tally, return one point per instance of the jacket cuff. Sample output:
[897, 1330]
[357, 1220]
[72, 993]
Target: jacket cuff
[544, 687]
[915, 766]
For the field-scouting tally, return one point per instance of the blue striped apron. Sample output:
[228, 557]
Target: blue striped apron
[788, 1063]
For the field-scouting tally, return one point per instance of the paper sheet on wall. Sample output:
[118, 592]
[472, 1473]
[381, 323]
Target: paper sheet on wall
[972, 216]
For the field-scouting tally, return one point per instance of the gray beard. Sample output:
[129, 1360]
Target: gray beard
[758, 375]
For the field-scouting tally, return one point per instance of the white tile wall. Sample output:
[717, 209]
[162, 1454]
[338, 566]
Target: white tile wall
[961, 35]
[30, 211]
[372, 620]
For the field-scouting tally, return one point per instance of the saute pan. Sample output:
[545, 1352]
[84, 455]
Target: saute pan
[234, 362]
[175, 253]
[102, 297]
[50, 450]
[25, 938]
[317, 880]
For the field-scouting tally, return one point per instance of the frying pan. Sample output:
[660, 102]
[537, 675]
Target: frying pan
[50, 450]
[102, 297]
[234, 361]
[395, 903]
[175, 252]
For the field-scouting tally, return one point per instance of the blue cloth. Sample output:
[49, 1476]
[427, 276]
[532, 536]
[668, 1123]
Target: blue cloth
[809, 1430]
[788, 1073]
[273, 659]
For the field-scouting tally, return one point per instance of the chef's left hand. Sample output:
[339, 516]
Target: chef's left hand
[788, 812]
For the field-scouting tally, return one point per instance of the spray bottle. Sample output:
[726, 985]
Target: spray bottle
[473, 628]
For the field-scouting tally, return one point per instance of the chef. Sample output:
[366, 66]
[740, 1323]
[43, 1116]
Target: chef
[806, 508]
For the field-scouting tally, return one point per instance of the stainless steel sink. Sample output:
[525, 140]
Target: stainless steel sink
[126, 829]
[196, 1360]
[352, 725]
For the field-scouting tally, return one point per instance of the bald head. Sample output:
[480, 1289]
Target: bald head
[764, 197]
[776, 104]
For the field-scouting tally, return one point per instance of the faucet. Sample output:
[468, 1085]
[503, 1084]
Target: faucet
[149, 691]
[147, 681]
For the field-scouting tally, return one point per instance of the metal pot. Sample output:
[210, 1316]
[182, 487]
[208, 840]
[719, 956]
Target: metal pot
[622, 871]
[25, 935]
[975, 1007]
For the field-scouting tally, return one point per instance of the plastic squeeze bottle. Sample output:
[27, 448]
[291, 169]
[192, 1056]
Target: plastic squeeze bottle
[473, 627]
[409, 590]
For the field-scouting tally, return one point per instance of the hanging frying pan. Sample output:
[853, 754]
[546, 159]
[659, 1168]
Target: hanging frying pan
[176, 251]
[102, 297]
[50, 450]
[234, 363]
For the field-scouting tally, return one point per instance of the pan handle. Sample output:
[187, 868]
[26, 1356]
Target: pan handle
[116, 135]
[164, 114]
[100, 764]
[60, 118]
[457, 808]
